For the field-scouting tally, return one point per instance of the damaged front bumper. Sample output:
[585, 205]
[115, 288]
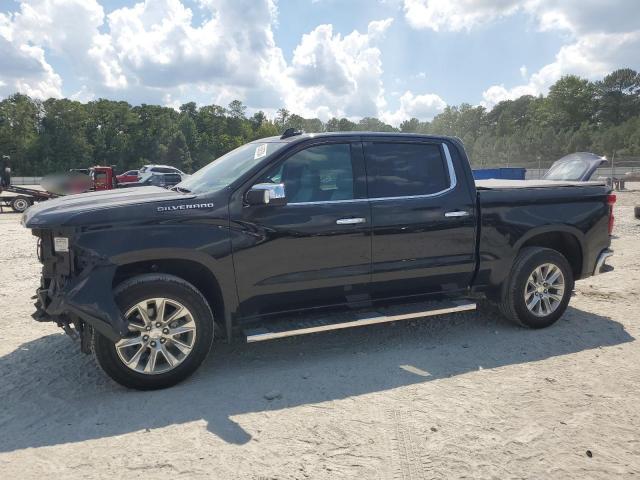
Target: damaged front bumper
[67, 297]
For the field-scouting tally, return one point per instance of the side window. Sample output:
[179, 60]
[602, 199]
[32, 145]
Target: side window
[405, 169]
[316, 174]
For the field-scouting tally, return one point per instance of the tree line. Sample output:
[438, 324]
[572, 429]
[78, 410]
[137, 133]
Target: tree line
[55, 135]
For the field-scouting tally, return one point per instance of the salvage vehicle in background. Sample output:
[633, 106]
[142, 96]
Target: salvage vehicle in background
[21, 198]
[305, 233]
[80, 180]
[128, 177]
[576, 167]
[148, 170]
[165, 180]
[103, 178]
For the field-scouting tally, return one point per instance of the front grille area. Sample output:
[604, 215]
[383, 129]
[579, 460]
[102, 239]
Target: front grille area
[53, 264]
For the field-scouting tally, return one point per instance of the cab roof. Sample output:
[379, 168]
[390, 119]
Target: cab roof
[305, 136]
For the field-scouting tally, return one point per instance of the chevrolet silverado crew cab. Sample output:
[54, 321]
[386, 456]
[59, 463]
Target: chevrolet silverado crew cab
[303, 233]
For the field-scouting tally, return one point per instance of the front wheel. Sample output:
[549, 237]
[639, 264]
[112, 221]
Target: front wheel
[538, 289]
[170, 333]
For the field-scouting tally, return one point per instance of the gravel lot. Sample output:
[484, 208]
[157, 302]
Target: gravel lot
[467, 395]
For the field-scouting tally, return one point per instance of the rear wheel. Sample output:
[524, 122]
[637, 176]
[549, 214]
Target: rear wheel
[170, 333]
[538, 289]
[20, 204]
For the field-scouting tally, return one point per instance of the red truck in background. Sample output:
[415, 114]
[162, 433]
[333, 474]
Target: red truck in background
[75, 181]
[128, 176]
[103, 178]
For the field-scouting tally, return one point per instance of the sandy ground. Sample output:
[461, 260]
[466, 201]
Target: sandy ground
[463, 396]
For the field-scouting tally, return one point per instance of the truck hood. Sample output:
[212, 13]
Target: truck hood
[100, 207]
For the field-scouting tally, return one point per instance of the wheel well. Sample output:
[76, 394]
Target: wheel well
[193, 272]
[565, 243]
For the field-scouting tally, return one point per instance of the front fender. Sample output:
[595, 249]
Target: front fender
[221, 269]
[90, 295]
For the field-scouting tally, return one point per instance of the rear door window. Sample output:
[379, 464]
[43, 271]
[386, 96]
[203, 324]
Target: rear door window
[172, 178]
[405, 169]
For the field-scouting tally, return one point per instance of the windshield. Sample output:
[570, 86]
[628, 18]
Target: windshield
[228, 168]
[571, 170]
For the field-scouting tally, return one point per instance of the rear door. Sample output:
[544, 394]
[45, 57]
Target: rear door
[423, 218]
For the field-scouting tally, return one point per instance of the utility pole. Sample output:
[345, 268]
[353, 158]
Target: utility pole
[613, 184]
[539, 167]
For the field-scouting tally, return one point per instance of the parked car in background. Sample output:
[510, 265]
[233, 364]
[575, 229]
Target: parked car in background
[129, 176]
[165, 180]
[148, 170]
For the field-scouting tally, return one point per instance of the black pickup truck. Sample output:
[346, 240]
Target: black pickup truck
[304, 233]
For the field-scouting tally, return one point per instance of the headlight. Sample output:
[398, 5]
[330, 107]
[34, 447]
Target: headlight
[60, 244]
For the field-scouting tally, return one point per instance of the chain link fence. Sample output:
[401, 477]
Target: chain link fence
[620, 167]
[25, 180]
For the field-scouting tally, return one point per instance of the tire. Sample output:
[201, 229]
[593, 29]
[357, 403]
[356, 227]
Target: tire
[20, 204]
[174, 362]
[548, 303]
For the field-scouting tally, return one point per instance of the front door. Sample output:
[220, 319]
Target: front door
[423, 218]
[316, 249]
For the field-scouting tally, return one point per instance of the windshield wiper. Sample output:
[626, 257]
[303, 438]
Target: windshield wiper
[181, 189]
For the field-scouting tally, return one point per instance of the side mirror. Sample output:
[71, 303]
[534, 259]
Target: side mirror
[267, 194]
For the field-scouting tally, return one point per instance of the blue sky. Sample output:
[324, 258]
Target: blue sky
[390, 58]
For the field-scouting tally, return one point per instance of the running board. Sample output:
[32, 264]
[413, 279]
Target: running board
[312, 323]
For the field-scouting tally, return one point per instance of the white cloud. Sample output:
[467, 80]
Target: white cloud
[423, 107]
[577, 16]
[591, 56]
[456, 15]
[332, 75]
[523, 71]
[602, 36]
[23, 67]
[153, 51]
[158, 46]
[378, 28]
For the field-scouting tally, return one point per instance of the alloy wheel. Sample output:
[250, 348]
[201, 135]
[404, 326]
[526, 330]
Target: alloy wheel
[162, 334]
[544, 290]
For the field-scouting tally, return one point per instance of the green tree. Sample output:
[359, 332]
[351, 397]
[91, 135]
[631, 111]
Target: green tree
[619, 96]
[58, 134]
[412, 125]
[572, 102]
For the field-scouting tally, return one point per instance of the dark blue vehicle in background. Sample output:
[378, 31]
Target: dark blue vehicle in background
[504, 173]
[304, 233]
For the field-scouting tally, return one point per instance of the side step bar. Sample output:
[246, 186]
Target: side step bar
[319, 323]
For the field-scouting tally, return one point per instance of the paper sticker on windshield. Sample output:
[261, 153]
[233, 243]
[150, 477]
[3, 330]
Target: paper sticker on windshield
[261, 151]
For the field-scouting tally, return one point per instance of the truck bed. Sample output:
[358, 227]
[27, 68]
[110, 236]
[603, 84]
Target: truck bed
[498, 184]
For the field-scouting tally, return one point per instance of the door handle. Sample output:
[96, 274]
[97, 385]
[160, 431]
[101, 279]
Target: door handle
[457, 213]
[350, 221]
